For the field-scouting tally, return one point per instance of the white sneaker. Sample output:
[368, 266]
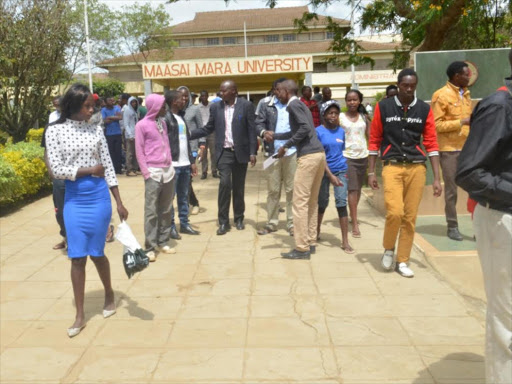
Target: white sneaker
[404, 270]
[388, 259]
[151, 256]
[195, 210]
[166, 249]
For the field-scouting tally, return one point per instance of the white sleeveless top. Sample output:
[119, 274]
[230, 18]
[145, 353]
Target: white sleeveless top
[356, 146]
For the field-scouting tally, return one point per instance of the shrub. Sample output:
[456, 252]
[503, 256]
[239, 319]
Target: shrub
[22, 171]
[35, 135]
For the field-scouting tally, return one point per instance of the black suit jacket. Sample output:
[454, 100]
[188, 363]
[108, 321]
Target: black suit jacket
[242, 126]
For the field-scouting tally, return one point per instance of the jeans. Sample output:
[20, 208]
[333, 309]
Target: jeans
[182, 178]
[340, 192]
[493, 230]
[59, 189]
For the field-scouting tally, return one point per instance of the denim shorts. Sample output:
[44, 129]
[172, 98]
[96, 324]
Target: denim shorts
[340, 192]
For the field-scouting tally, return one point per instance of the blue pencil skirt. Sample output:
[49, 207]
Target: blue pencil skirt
[87, 213]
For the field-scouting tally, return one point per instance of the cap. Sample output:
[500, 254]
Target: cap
[95, 96]
[328, 104]
[192, 94]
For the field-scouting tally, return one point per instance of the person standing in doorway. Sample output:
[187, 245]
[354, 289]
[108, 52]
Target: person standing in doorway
[452, 108]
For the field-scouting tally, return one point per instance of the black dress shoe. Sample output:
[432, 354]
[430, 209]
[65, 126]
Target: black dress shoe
[296, 255]
[239, 224]
[223, 229]
[312, 249]
[454, 234]
[204, 176]
[214, 174]
[174, 233]
[188, 230]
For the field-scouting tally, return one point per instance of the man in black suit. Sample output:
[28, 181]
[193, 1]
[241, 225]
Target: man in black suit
[232, 120]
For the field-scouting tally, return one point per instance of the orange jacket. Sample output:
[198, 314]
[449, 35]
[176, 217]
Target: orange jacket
[449, 108]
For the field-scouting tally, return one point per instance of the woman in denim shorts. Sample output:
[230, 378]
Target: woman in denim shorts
[332, 137]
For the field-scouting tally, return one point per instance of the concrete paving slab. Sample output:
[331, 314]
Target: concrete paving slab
[227, 309]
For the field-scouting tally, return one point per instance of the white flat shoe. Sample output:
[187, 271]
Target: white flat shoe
[72, 332]
[108, 313]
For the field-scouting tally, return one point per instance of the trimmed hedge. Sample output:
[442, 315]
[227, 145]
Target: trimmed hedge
[22, 171]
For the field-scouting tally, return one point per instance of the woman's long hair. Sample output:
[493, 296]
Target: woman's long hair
[73, 101]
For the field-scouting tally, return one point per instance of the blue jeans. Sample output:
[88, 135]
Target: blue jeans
[182, 183]
[340, 192]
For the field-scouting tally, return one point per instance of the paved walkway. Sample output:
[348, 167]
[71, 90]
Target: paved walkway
[228, 309]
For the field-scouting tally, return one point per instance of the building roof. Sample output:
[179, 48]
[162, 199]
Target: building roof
[260, 18]
[306, 47]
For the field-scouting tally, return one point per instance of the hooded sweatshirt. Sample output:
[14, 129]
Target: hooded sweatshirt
[130, 118]
[152, 145]
[193, 119]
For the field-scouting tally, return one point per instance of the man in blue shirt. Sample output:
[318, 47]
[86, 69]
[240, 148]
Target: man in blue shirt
[273, 117]
[111, 114]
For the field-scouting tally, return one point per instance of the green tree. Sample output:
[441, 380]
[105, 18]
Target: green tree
[102, 35]
[139, 31]
[34, 35]
[108, 87]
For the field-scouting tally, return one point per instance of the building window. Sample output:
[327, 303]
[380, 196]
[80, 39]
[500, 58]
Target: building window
[289, 37]
[272, 38]
[329, 35]
[228, 40]
[212, 41]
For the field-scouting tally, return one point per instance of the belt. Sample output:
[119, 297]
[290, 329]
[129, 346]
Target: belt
[394, 161]
[496, 206]
[230, 149]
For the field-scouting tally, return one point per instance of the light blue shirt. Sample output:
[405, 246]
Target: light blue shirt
[282, 126]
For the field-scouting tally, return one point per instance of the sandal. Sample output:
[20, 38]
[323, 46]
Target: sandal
[356, 234]
[349, 251]
[266, 230]
[61, 245]
[110, 234]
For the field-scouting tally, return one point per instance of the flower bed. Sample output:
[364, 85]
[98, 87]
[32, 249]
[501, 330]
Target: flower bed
[22, 170]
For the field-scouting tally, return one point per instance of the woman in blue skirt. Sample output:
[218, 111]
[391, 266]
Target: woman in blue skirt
[78, 153]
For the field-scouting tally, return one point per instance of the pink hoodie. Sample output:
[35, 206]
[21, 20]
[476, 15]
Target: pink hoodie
[151, 146]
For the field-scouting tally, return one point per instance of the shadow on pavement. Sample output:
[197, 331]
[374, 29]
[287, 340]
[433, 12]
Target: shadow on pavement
[454, 366]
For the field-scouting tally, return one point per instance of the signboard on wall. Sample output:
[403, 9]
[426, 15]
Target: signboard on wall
[488, 68]
[228, 67]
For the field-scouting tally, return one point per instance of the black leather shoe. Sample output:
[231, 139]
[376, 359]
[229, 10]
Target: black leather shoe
[239, 224]
[187, 229]
[204, 176]
[174, 233]
[215, 175]
[454, 234]
[296, 255]
[312, 249]
[223, 229]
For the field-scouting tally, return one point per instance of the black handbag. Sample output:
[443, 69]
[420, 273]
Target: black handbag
[134, 261]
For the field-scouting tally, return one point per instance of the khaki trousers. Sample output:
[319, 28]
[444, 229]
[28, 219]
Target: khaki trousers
[493, 230]
[280, 173]
[403, 189]
[306, 186]
[448, 162]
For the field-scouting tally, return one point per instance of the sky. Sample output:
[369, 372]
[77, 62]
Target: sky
[185, 10]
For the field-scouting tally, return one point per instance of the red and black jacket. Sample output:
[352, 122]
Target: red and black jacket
[397, 131]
